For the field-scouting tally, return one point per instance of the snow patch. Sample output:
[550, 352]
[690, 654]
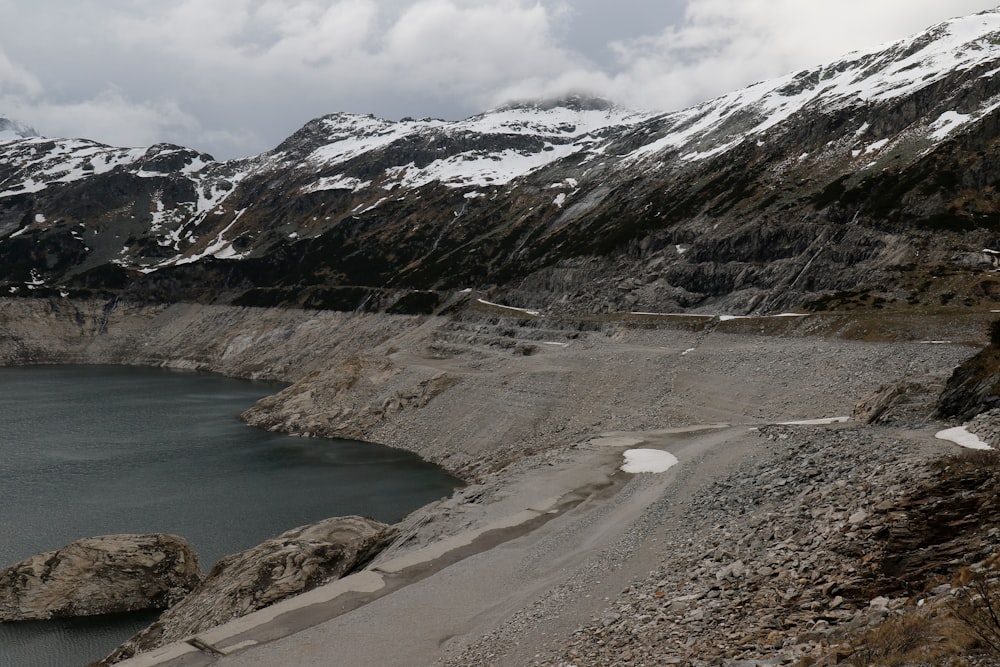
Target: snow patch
[654, 461]
[339, 182]
[947, 122]
[877, 146]
[962, 437]
[533, 313]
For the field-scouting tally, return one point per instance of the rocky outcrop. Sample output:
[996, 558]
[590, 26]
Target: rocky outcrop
[878, 405]
[974, 387]
[99, 575]
[294, 562]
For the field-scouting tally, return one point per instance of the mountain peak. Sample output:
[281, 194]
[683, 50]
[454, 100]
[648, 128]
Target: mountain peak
[573, 102]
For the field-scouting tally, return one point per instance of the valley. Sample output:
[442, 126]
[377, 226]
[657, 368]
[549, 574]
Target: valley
[773, 288]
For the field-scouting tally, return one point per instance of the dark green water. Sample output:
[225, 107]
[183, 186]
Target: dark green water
[99, 450]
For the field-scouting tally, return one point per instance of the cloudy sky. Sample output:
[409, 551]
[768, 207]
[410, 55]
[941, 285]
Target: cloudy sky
[235, 77]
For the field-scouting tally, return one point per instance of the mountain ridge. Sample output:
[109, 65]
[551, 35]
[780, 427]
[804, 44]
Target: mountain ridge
[783, 194]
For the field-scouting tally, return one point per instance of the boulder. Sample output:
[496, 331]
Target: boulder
[294, 562]
[874, 408]
[99, 575]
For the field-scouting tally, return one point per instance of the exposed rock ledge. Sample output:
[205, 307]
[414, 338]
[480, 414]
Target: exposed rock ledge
[99, 575]
[294, 562]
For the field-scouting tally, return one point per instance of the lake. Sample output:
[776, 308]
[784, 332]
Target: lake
[97, 450]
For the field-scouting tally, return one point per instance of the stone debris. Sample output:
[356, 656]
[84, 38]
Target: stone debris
[987, 427]
[789, 559]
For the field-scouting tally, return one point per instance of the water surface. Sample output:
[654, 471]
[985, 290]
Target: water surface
[100, 450]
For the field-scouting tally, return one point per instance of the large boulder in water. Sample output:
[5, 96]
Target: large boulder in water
[294, 562]
[99, 575]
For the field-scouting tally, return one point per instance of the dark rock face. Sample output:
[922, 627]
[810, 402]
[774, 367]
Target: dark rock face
[294, 562]
[99, 575]
[973, 388]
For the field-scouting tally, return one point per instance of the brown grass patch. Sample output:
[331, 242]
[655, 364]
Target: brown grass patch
[919, 636]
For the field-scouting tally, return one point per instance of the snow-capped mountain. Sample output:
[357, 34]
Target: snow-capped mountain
[850, 183]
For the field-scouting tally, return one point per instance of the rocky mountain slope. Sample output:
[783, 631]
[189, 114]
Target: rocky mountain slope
[866, 181]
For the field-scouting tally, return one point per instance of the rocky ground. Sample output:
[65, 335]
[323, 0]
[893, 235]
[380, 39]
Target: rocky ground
[816, 551]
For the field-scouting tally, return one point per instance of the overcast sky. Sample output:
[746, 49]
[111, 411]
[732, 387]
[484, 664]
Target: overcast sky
[235, 77]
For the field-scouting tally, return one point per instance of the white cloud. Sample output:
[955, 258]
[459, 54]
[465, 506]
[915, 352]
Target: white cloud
[108, 114]
[471, 48]
[238, 76]
[15, 79]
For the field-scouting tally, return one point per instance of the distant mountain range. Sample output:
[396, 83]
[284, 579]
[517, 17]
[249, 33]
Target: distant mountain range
[868, 182]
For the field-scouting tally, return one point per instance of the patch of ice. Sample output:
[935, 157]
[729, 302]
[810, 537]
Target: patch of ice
[654, 461]
[962, 437]
[560, 199]
[689, 351]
